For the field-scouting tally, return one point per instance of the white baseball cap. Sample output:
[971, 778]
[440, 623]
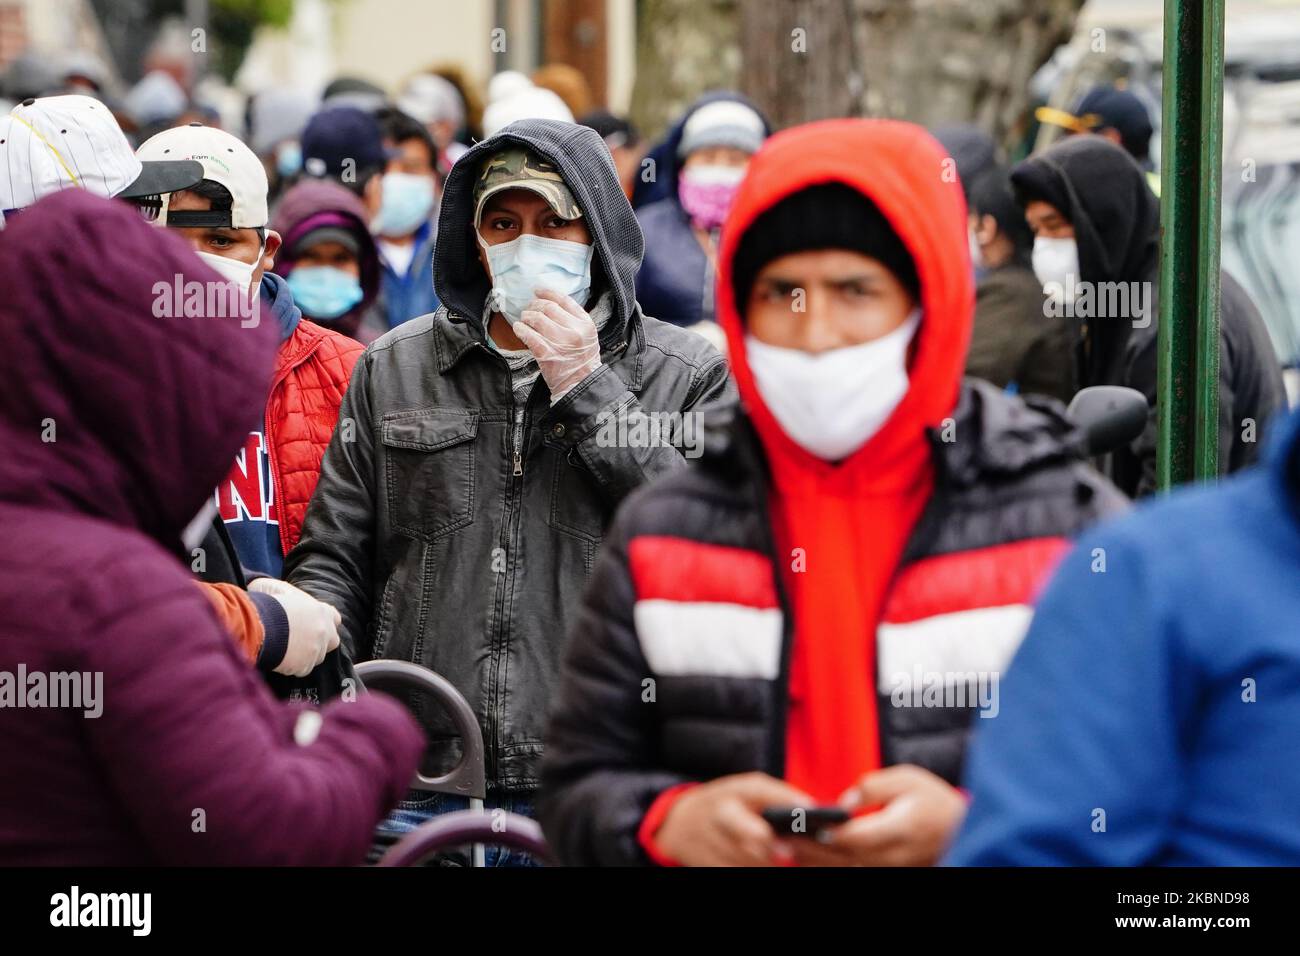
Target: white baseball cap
[73, 142]
[224, 159]
[534, 102]
[429, 98]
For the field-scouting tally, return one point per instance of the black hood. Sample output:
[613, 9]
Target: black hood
[583, 160]
[974, 150]
[1104, 193]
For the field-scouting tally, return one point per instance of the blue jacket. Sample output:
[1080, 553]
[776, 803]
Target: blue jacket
[1159, 698]
[406, 296]
[676, 280]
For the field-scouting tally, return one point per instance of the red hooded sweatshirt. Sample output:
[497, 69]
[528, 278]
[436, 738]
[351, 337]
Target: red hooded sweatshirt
[841, 528]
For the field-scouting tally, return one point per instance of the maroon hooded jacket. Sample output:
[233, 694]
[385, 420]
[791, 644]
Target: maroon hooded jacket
[115, 425]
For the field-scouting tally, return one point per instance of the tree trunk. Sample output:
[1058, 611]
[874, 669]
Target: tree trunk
[929, 61]
[684, 47]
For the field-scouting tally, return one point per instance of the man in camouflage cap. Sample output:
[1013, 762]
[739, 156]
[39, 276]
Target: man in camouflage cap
[494, 440]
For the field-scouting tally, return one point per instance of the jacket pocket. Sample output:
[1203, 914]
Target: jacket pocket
[577, 505]
[429, 470]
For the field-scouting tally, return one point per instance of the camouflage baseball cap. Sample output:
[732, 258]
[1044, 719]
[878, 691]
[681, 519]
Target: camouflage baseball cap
[518, 168]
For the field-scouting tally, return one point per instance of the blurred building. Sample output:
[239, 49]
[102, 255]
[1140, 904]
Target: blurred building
[385, 41]
[51, 29]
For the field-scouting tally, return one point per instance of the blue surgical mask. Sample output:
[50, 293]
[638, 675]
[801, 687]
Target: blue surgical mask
[407, 201]
[288, 159]
[323, 292]
[522, 265]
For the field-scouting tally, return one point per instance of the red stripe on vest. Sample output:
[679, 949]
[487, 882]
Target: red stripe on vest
[985, 577]
[678, 569]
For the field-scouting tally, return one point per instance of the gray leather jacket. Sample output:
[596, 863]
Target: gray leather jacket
[455, 528]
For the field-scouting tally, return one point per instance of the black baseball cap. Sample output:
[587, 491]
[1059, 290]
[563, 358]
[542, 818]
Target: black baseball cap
[1107, 107]
[337, 135]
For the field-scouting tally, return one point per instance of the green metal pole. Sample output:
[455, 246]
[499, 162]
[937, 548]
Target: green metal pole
[1208, 277]
[1187, 397]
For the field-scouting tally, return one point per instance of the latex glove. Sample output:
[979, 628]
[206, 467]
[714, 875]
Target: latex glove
[313, 626]
[563, 339]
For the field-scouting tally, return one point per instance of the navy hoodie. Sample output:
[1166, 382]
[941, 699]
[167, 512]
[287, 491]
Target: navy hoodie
[255, 536]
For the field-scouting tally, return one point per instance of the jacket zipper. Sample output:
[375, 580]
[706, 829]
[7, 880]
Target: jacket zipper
[518, 441]
[519, 414]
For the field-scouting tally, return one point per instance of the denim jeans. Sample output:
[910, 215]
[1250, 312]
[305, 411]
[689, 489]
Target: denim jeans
[421, 806]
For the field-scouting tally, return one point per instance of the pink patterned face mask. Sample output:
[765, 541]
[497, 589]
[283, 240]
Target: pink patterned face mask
[706, 193]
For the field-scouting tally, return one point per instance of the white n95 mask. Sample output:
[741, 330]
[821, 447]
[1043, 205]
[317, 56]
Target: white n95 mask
[832, 403]
[1054, 260]
[232, 270]
[522, 265]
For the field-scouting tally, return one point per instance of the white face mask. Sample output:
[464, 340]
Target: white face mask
[1055, 259]
[832, 403]
[715, 174]
[232, 270]
[522, 265]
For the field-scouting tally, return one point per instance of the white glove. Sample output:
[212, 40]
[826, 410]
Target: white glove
[313, 626]
[563, 339]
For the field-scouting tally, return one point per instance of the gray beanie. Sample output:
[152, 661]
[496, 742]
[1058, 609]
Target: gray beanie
[722, 123]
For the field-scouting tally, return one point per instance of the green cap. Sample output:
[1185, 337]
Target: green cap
[518, 168]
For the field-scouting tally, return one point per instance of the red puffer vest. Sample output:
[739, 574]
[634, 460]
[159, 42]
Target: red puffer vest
[311, 375]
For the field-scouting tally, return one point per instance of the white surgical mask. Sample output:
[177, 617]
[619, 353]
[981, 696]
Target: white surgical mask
[232, 270]
[832, 403]
[715, 174]
[1055, 259]
[522, 265]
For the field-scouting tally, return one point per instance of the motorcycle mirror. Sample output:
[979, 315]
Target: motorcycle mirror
[1110, 416]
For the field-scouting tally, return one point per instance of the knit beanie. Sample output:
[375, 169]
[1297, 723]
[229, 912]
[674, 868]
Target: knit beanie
[722, 123]
[827, 216]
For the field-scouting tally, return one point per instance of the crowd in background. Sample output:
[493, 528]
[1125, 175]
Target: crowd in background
[446, 298]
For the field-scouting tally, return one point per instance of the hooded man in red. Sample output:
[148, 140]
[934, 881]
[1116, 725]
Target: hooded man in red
[816, 614]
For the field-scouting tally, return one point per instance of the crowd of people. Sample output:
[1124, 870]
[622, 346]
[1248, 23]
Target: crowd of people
[720, 474]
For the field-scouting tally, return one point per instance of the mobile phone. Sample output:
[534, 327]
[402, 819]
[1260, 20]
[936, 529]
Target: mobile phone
[804, 821]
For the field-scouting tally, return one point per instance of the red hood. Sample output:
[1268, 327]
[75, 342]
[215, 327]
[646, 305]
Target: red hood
[907, 174]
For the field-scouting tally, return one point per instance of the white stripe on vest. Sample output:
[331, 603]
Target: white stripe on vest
[713, 639]
[979, 641]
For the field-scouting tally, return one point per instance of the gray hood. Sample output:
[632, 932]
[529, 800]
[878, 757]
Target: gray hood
[584, 161]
